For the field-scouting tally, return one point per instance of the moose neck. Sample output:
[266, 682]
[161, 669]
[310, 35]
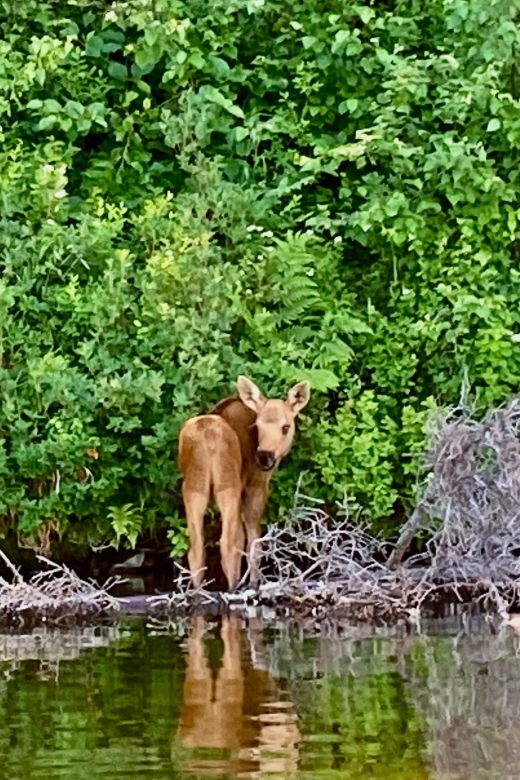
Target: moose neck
[242, 420]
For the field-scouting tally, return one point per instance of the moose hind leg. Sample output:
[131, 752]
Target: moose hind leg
[232, 536]
[195, 504]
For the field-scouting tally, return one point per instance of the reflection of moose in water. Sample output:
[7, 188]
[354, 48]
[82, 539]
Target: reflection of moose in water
[235, 708]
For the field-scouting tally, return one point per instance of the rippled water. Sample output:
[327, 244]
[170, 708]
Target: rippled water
[232, 699]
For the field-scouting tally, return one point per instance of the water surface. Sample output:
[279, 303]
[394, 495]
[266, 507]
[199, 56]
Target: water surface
[231, 698]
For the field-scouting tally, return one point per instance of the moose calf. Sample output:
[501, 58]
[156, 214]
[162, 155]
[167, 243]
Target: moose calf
[229, 455]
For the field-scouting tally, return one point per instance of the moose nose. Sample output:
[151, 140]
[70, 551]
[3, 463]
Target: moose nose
[265, 459]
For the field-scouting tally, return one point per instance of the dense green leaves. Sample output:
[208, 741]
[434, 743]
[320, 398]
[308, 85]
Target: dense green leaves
[192, 190]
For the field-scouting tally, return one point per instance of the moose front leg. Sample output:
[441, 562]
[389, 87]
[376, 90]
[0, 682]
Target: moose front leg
[253, 503]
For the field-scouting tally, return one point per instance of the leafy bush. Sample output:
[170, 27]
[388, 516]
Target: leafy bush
[192, 190]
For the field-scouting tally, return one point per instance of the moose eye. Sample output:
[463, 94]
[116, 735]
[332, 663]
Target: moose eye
[285, 429]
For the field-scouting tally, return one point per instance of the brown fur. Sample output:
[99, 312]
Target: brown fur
[220, 457]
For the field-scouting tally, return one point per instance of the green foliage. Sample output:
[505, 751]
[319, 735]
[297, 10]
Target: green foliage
[177, 535]
[192, 190]
[126, 523]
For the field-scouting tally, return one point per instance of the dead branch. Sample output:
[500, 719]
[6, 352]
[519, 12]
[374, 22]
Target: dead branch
[52, 594]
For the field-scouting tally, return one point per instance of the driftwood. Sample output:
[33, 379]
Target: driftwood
[315, 565]
[469, 510]
[51, 595]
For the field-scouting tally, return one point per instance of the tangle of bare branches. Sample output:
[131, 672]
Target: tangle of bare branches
[51, 594]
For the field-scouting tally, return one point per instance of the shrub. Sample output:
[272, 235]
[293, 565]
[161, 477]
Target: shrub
[192, 190]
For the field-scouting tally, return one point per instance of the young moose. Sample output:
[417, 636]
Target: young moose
[230, 455]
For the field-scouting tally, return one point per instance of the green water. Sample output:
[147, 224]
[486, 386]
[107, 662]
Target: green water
[239, 700]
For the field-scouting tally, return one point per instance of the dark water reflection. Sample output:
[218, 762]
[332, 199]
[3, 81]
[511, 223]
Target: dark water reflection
[228, 699]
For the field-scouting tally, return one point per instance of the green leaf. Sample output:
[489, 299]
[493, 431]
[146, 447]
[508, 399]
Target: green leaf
[219, 65]
[147, 57]
[118, 71]
[215, 96]
[74, 109]
[322, 379]
[366, 14]
[151, 34]
[349, 105]
[340, 39]
[51, 106]
[241, 133]
[93, 45]
[46, 122]
[308, 41]
[196, 60]
[143, 86]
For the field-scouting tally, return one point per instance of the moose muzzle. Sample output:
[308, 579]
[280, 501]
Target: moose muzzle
[265, 459]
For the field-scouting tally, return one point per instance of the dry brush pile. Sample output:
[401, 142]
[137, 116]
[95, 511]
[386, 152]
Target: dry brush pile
[52, 595]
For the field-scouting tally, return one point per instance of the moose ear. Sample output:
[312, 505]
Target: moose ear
[249, 394]
[298, 396]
